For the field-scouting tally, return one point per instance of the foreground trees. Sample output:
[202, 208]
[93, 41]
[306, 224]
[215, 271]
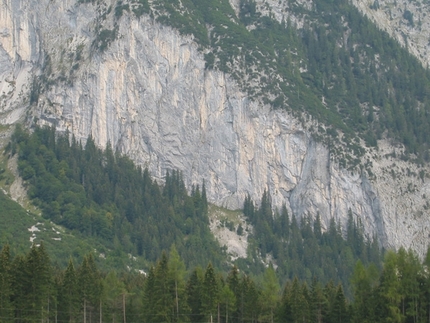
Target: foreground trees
[32, 290]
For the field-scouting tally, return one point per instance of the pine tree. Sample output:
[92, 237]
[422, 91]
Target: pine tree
[389, 290]
[339, 309]
[177, 276]
[270, 293]
[19, 288]
[318, 303]
[233, 281]
[113, 289]
[37, 269]
[228, 300]
[148, 299]
[409, 267]
[364, 282]
[6, 308]
[426, 285]
[164, 299]
[89, 286]
[298, 301]
[210, 296]
[68, 298]
[249, 300]
[194, 291]
[285, 313]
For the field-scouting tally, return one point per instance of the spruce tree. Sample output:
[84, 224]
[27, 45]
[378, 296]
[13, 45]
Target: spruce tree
[210, 296]
[228, 300]
[68, 298]
[233, 281]
[270, 293]
[89, 286]
[194, 292]
[339, 308]
[113, 290]
[249, 300]
[20, 288]
[177, 277]
[6, 308]
[38, 279]
[148, 299]
[164, 299]
[318, 303]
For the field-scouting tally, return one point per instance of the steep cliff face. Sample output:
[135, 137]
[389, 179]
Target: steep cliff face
[149, 94]
[18, 54]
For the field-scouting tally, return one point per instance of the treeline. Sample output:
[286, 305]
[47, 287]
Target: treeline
[102, 194]
[304, 249]
[32, 290]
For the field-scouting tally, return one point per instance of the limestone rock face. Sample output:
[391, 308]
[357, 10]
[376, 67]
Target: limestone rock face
[149, 94]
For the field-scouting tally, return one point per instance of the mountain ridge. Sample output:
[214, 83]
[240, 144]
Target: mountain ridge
[149, 92]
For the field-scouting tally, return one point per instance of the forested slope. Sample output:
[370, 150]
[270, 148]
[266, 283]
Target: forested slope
[101, 196]
[104, 195]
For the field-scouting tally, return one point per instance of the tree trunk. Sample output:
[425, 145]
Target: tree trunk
[241, 306]
[85, 310]
[123, 306]
[101, 321]
[177, 301]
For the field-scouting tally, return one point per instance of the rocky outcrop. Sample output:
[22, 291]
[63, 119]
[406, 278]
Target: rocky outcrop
[149, 94]
[405, 21]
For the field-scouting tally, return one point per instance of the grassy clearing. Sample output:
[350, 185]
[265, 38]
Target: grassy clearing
[6, 176]
[221, 213]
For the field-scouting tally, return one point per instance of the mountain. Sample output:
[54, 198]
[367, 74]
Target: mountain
[235, 94]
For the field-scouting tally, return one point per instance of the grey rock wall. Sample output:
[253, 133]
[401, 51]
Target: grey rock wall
[149, 95]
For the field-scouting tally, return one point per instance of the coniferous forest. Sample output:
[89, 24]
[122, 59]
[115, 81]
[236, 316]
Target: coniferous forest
[314, 275]
[103, 195]
[356, 82]
[33, 290]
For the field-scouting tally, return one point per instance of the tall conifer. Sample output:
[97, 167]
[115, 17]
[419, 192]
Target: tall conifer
[6, 309]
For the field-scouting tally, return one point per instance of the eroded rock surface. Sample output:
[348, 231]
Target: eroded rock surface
[149, 94]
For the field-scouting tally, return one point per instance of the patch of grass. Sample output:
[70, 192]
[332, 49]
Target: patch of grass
[60, 243]
[6, 176]
[232, 216]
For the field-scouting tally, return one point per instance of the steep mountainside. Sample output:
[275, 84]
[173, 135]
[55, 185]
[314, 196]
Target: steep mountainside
[405, 21]
[117, 72]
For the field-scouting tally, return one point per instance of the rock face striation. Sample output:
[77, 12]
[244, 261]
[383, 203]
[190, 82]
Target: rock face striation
[148, 94]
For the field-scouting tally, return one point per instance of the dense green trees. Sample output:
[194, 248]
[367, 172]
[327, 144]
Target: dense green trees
[102, 194]
[302, 249]
[110, 199]
[5, 285]
[398, 293]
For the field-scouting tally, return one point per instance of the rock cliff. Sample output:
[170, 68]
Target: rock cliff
[149, 94]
